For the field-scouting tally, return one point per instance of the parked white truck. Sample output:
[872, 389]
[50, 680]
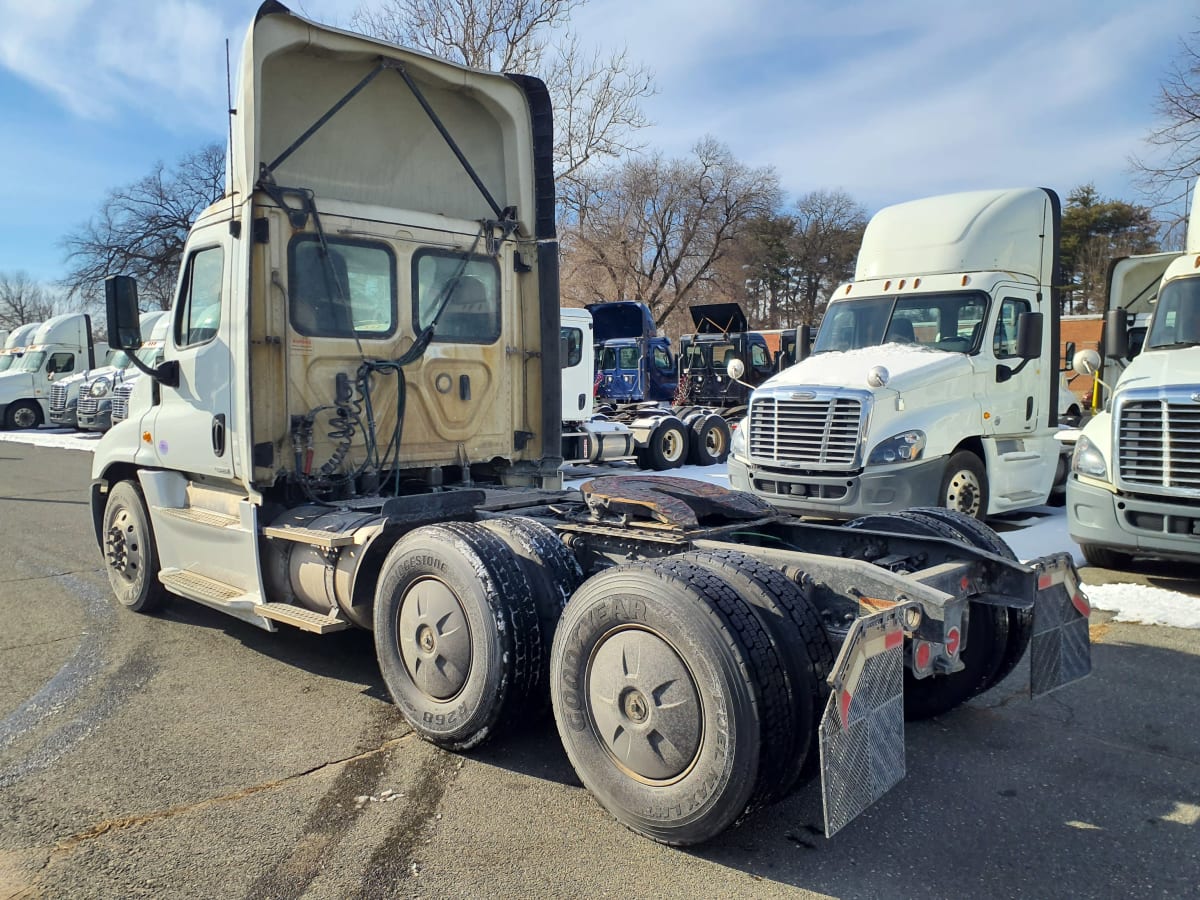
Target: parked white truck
[14, 345]
[357, 423]
[90, 407]
[1134, 488]
[60, 346]
[934, 378]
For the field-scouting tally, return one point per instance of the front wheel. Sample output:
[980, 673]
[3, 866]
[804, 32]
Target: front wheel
[1104, 558]
[23, 414]
[965, 485]
[130, 553]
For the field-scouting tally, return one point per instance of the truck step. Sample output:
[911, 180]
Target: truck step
[197, 516]
[206, 590]
[315, 536]
[304, 619]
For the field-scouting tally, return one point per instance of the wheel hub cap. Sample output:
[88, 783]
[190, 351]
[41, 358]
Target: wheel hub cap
[24, 418]
[122, 546]
[434, 639]
[963, 493]
[644, 705]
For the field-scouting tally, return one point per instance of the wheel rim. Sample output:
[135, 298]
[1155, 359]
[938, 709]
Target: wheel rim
[123, 546]
[644, 705]
[672, 445]
[715, 442]
[24, 417]
[964, 493]
[434, 639]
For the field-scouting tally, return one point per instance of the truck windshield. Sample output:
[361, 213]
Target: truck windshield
[1177, 316]
[151, 356]
[32, 362]
[6, 362]
[120, 360]
[952, 322]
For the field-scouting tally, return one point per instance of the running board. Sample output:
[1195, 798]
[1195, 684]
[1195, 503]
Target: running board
[216, 594]
[328, 540]
[304, 619]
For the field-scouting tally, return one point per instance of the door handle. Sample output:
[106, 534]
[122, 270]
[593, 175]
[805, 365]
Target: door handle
[218, 434]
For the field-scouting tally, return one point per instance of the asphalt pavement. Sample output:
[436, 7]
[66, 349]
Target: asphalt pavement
[187, 754]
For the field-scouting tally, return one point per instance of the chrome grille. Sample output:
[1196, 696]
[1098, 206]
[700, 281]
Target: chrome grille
[1158, 443]
[819, 431]
[120, 402]
[58, 398]
[89, 405]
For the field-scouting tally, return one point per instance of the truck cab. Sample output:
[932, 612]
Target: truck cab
[60, 346]
[97, 389]
[1134, 487]
[934, 376]
[634, 363]
[14, 345]
[721, 336]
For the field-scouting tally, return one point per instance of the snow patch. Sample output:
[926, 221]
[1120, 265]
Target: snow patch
[1145, 605]
[56, 438]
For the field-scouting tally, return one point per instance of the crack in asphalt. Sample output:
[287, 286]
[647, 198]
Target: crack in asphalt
[68, 845]
[57, 640]
[54, 575]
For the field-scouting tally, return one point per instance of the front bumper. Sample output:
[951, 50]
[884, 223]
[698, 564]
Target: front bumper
[99, 421]
[1131, 524]
[876, 490]
[65, 418]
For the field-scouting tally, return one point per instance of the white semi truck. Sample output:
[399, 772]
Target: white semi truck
[1134, 488]
[14, 345]
[357, 423]
[60, 346]
[92, 403]
[934, 378]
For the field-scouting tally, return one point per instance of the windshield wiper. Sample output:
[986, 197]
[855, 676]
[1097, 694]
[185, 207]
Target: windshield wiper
[1174, 346]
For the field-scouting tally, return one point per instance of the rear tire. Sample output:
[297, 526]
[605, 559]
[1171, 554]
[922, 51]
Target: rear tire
[456, 633]
[667, 447]
[709, 440]
[665, 690]
[986, 632]
[800, 641]
[130, 553]
[1105, 558]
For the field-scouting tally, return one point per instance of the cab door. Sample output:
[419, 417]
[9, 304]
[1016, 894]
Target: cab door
[1012, 401]
[190, 426]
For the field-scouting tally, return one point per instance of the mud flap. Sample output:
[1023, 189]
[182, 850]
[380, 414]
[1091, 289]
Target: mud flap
[862, 730]
[1060, 651]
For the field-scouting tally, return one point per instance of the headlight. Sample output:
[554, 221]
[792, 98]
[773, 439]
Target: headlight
[737, 445]
[100, 387]
[899, 448]
[1088, 460]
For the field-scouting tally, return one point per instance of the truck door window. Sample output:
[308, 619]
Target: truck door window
[662, 360]
[1177, 316]
[198, 309]
[349, 291]
[61, 363]
[608, 359]
[1004, 339]
[629, 358]
[758, 356]
[469, 288]
[572, 340]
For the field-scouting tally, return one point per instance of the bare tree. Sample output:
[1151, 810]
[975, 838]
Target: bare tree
[23, 300]
[656, 229]
[140, 229]
[596, 96]
[1166, 172]
[829, 231]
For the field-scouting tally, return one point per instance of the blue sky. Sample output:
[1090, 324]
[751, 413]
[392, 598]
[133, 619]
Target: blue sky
[886, 100]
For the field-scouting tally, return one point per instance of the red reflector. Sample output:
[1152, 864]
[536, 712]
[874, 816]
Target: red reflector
[1080, 602]
[952, 638]
[844, 707]
[965, 583]
[1044, 581]
[893, 639]
[923, 653]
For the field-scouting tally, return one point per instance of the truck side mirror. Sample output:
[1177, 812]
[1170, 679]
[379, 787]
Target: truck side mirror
[735, 369]
[1069, 355]
[1029, 335]
[1116, 334]
[803, 342]
[1086, 362]
[120, 298]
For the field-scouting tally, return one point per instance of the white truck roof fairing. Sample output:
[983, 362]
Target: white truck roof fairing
[71, 329]
[975, 231]
[19, 337]
[1133, 281]
[293, 72]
